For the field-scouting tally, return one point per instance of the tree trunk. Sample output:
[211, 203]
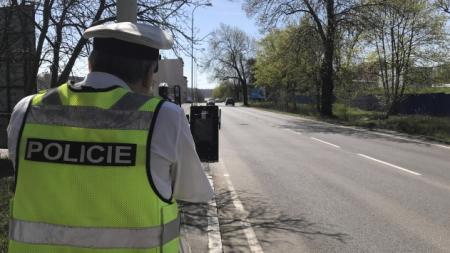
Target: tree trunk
[64, 77]
[318, 103]
[244, 92]
[36, 62]
[393, 107]
[327, 64]
[54, 68]
[294, 101]
[326, 76]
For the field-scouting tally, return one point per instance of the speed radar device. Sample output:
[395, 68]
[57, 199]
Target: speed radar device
[205, 130]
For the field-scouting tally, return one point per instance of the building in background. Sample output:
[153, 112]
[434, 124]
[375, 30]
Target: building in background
[17, 50]
[171, 72]
[44, 79]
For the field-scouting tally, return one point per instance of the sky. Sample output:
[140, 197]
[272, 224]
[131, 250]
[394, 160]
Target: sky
[206, 20]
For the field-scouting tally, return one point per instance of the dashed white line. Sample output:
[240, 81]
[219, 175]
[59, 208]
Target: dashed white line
[214, 237]
[390, 164]
[252, 240]
[407, 139]
[325, 142]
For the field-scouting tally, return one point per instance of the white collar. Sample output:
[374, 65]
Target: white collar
[101, 80]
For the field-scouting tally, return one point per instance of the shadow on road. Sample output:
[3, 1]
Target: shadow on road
[267, 220]
[270, 225]
[194, 215]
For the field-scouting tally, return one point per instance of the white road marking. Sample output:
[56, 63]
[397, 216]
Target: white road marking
[404, 138]
[390, 164]
[226, 175]
[442, 146]
[325, 142]
[253, 242]
[292, 131]
[214, 237]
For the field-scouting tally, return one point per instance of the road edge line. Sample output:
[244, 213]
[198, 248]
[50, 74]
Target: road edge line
[253, 243]
[214, 236]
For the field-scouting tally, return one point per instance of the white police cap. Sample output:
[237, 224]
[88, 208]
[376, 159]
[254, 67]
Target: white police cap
[141, 34]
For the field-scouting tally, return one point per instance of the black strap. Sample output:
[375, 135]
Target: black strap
[130, 101]
[51, 97]
[84, 88]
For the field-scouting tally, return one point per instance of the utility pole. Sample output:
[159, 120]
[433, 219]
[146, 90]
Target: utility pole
[127, 11]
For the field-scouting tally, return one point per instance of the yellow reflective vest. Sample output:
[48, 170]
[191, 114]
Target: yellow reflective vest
[83, 179]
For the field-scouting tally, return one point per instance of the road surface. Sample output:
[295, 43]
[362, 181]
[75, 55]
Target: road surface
[287, 184]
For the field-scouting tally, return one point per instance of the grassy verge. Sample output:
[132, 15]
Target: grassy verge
[433, 128]
[413, 90]
[5, 195]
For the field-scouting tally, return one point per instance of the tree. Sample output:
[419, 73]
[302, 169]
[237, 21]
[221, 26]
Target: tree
[352, 76]
[218, 92]
[404, 33]
[229, 51]
[444, 5]
[327, 16]
[288, 61]
[60, 24]
[224, 90]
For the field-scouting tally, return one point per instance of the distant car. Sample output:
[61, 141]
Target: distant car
[211, 102]
[229, 101]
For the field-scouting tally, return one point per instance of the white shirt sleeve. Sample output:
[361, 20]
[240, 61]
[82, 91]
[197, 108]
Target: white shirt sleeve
[14, 126]
[175, 166]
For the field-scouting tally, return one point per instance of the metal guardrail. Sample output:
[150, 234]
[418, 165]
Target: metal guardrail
[6, 167]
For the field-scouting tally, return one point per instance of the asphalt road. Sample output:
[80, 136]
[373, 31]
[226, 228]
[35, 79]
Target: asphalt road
[286, 184]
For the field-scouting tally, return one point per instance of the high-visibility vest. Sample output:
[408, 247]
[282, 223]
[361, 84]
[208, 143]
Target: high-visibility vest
[84, 182]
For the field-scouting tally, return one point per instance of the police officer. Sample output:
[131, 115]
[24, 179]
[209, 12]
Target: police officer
[99, 164]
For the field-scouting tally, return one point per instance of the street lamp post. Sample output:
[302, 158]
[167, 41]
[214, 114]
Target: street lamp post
[127, 11]
[192, 49]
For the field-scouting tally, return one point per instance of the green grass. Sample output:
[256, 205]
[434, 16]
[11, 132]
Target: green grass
[305, 110]
[433, 128]
[352, 114]
[429, 90]
[412, 90]
[5, 195]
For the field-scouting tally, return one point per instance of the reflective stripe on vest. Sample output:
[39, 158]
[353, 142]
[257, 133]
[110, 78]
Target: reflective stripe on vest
[89, 117]
[42, 233]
